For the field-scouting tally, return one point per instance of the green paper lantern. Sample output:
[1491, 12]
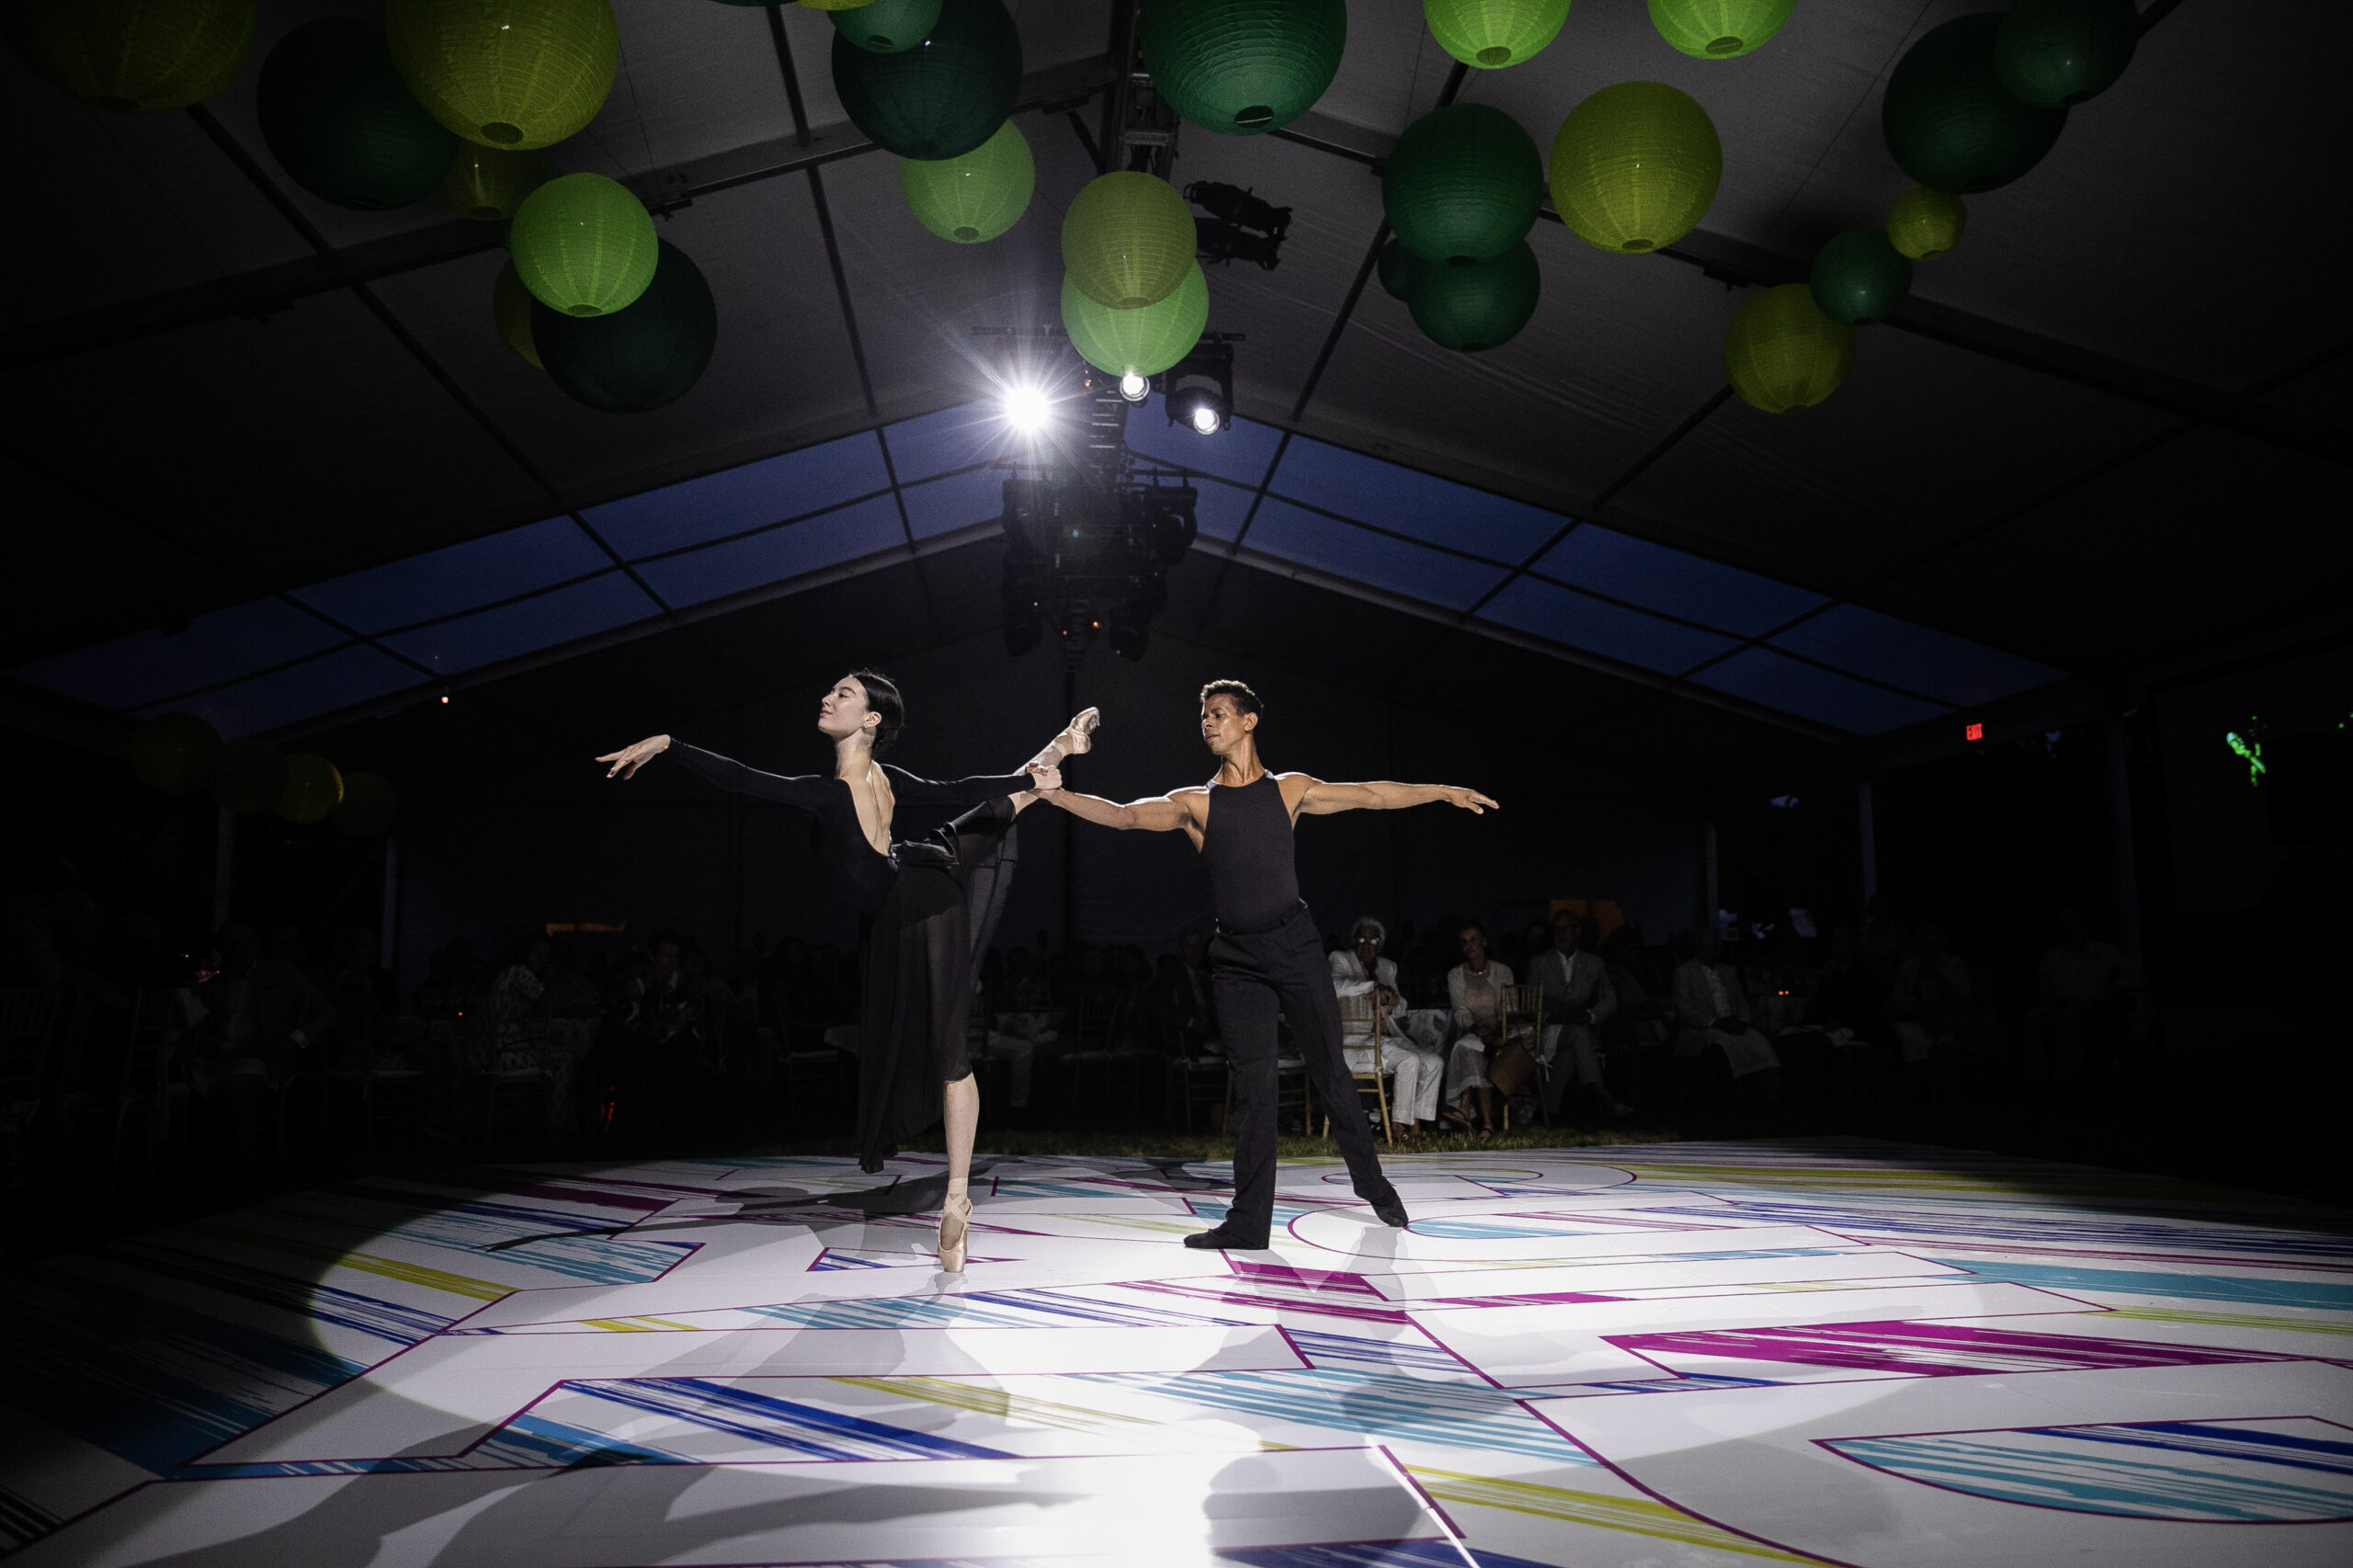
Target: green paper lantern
[510, 307]
[507, 73]
[1142, 342]
[2051, 53]
[1949, 121]
[1476, 306]
[1127, 240]
[585, 245]
[175, 753]
[370, 806]
[1923, 225]
[1858, 278]
[943, 99]
[639, 359]
[1782, 354]
[1396, 268]
[1241, 67]
[341, 124]
[886, 27]
[313, 788]
[1462, 184]
[813, 4]
[134, 56]
[488, 184]
[250, 778]
[977, 196]
[1491, 34]
[1719, 29]
[1634, 166]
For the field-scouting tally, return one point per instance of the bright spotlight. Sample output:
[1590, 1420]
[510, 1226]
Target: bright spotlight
[1026, 408]
[1206, 420]
[1135, 388]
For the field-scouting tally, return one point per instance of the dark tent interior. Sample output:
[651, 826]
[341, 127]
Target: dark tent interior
[2019, 645]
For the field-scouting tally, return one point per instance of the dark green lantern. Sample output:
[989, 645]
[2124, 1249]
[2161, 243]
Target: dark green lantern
[133, 56]
[313, 788]
[1463, 184]
[1950, 123]
[887, 27]
[370, 806]
[942, 98]
[1396, 268]
[1858, 278]
[2051, 53]
[1240, 67]
[175, 753]
[342, 123]
[637, 359]
[1477, 305]
[250, 778]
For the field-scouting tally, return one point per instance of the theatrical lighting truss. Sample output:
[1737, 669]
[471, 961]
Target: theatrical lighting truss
[1241, 226]
[1090, 535]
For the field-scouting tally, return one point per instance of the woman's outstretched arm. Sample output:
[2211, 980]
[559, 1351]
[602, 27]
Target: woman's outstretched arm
[808, 792]
[1076, 737]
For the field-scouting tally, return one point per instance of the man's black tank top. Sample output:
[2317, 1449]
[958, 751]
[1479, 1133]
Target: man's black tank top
[1254, 879]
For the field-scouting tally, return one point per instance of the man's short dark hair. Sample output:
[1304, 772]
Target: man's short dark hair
[1463, 927]
[1245, 699]
[665, 938]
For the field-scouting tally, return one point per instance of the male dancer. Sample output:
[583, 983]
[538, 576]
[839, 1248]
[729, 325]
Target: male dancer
[1266, 952]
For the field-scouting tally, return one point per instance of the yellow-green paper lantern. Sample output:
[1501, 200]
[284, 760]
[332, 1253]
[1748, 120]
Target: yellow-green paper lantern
[825, 5]
[1926, 223]
[1491, 34]
[510, 307]
[1140, 343]
[1782, 354]
[507, 73]
[313, 788]
[977, 196]
[1127, 240]
[488, 184]
[1718, 30]
[1634, 166]
[585, 245]
[133, 56]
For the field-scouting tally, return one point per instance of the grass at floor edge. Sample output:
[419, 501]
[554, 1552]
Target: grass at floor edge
[1046, 1143]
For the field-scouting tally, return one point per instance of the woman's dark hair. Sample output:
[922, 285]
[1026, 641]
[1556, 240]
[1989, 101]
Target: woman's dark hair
[882, 698]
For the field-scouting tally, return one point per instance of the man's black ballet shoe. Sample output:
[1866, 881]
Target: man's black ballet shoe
[1226, 1240]
[1391, 1210]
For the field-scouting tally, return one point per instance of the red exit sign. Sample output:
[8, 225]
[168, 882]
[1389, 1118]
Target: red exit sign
[1973, 732]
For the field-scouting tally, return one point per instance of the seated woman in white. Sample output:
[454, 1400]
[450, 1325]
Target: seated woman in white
[1476, 988]
[1358, 970]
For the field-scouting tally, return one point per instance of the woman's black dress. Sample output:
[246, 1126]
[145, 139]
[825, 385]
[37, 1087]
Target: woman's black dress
[930, 907]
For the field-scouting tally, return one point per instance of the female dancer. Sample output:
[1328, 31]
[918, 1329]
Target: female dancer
[929, 904]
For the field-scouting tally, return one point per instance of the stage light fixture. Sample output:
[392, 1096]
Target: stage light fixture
[1199, 407]
[1135, 388]
[1200, 387]
[1026, 408]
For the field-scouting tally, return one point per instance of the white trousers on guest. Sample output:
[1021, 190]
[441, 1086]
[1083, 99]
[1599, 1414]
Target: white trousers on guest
[1413, 1093]
[1466, 1066]
[1572, 1055]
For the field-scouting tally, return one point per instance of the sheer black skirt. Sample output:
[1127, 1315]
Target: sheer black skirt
[920, 958]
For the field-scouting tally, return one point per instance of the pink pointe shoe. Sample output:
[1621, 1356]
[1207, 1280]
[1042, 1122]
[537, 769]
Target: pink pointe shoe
[954, 1215]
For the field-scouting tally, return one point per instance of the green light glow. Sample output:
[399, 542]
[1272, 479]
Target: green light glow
[2249, 748]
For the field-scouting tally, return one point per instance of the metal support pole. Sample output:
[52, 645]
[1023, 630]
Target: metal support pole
[388, 927]
[1867, 843]
[2119, 811]
[224, 867]
[1069, 828]
[1708, 893]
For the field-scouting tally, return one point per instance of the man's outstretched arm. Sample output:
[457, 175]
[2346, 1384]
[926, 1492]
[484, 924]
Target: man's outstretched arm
[1154, 813]
[1322, 799]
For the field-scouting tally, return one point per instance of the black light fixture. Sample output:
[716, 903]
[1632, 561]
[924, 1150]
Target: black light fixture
[1200, 387]
[1241, 226]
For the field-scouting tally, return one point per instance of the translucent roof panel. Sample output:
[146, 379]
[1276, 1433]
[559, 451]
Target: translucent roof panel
[953, 438]
[460, 577]
[1407, 501]
[809, 545]
[791, 485]
[1372, 559]
[959, 500]
[1219, 511]
[353, 674]
[149, 666]
[1240, 452]
[1952, 669]
[1764, 676]
[552, 619]
[1598, 626]
[1670, 580]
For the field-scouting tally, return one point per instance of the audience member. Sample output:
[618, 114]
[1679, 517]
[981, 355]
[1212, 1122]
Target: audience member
[2083, 998]
[1712, 1011]
[1579, 998]
[1475, 987]
[1931, 988]
[1413, 1061]
[1195, 1012]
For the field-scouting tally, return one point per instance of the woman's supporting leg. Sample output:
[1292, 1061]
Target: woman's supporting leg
[961, 1106]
